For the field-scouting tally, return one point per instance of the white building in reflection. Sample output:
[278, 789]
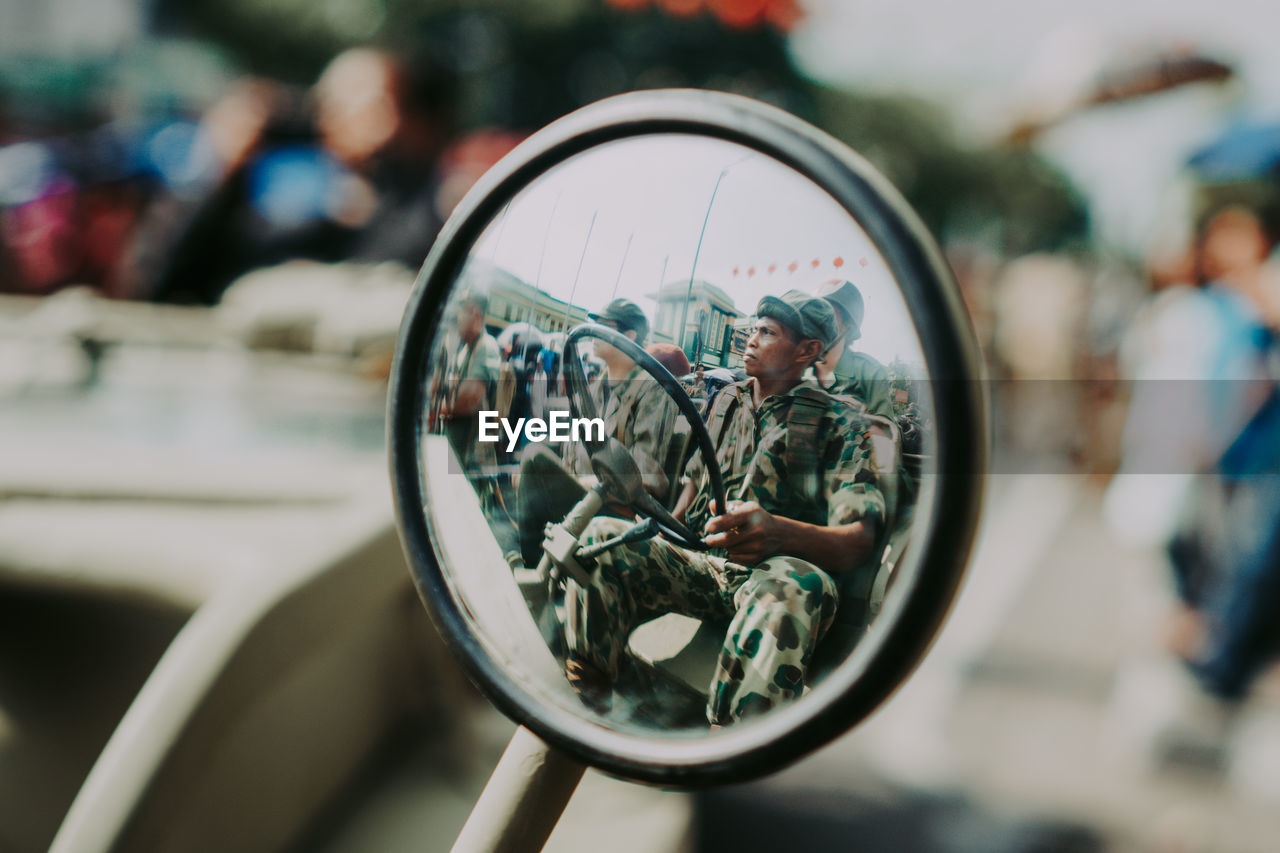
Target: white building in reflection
[709, 320]
[512, 300]
[715, 330]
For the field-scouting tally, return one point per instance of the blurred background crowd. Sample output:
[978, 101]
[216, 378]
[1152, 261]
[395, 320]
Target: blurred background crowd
[1105, 184]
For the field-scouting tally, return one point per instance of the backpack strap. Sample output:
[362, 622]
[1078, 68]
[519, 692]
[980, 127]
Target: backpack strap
[803, 446]
[726, 401]
[803, 452]
[721, 409]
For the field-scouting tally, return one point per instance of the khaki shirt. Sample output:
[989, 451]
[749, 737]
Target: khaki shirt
[641, 415]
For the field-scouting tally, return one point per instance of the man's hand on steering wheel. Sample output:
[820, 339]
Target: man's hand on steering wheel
[746, 531]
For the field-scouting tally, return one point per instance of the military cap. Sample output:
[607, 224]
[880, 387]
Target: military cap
[845, 296]
[627, 315]
[807, 316]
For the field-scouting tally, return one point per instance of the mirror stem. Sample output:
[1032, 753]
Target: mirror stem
[523, 799]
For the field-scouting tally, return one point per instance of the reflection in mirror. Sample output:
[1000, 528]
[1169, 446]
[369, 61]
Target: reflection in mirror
[688, 399]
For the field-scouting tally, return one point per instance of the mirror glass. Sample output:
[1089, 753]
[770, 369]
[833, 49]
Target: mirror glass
[571, 496]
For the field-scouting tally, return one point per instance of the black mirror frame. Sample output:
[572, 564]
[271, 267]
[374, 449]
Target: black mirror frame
[934, 566]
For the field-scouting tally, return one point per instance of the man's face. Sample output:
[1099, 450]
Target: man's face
[470, 322]
[356, 109]
[606, 350]
[1233, 242]
[772, 351]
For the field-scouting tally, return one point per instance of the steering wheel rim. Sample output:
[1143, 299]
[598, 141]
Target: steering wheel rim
[581, 405]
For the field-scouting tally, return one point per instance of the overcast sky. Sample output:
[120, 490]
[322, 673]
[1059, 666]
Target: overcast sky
[631, 213]
[988, 59]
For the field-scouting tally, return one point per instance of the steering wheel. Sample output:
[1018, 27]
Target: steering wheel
[581, 405]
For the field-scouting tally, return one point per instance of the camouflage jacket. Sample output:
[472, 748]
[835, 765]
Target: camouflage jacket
[641, 415]
[752, 453]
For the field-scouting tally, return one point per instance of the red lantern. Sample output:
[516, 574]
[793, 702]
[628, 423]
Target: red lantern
[740, 14]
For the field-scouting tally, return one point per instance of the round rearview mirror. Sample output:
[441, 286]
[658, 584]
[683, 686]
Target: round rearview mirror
[686, 437]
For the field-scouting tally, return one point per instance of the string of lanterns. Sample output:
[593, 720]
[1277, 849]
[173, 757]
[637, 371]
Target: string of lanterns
[792, 267]
[739, 14]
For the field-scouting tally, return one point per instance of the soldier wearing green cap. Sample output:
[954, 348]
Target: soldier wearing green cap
[635, 409]
[844, 370]
[847, 372]
[804, 507]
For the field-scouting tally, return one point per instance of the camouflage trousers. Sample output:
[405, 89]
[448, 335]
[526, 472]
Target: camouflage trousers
[776, 612]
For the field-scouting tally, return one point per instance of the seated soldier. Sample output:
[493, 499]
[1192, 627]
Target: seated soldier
[636, 411]
[800, 475]
[844, 370]
[847, 372]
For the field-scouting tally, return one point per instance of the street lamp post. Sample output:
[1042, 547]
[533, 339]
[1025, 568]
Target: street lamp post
[684, 313]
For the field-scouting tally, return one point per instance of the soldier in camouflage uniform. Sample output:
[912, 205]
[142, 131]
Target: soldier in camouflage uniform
[775, 547]
[846, 372]
[843, 370]
[636, 411]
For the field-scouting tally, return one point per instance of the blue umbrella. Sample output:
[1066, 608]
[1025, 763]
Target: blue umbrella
[1246, 151]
